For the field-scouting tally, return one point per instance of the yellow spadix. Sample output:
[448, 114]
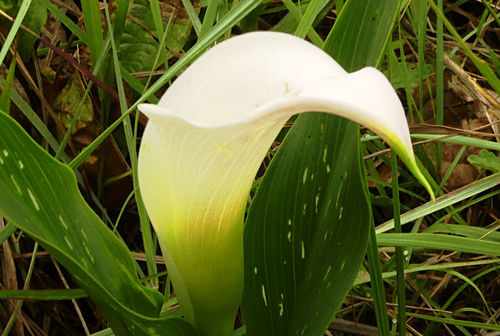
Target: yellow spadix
[207, 137]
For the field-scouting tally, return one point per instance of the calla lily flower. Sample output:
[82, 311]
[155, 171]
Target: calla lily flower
[207, 137]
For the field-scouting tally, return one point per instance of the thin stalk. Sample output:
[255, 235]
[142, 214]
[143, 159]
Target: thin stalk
[400, 275]
[377, 284]
[439, 77]
[131, 144]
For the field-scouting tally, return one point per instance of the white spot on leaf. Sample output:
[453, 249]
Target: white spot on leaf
[63, 222]
[289, 235]
[21, 164]
[304, 177]
[33, 200]
[303, 249]
[264, 294]
[68, 242]
[16, 185]
[327, 272]
[89, 254]
[5, 153]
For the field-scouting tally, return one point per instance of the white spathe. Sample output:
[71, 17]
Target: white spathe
[207, 137]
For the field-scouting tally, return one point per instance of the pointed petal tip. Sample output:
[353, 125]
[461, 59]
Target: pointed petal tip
[411, 162]
[421, 178]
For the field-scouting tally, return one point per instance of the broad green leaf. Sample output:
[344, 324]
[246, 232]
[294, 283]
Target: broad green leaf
[40, 196]
[366, 28]
[307, 228]
[297, 267]
[486, 160]
[137, 49]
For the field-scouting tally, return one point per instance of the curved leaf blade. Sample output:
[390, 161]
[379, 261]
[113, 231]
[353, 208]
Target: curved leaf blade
[326, 247]
[298, 270]
[40, 196]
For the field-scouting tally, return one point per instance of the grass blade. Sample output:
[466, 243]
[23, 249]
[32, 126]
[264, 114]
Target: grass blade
[401, 286]
[444, 201]
[440, 242]
[23, 9]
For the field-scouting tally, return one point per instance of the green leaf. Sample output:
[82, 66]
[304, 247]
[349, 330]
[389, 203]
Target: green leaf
[137, 49]
[298, 270]
[307, 228]
[366, 28]
[35, 19]
[486, 160]
[8, 4]
[40, 196]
